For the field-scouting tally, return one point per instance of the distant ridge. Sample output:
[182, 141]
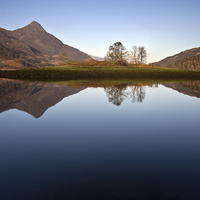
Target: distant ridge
[189, 59]
[39, 45]
[96, 58]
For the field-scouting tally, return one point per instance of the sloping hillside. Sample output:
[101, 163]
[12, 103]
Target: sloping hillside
[34, 41]
[188, 59]
[190, 63]
[13, 43]
[16, 59]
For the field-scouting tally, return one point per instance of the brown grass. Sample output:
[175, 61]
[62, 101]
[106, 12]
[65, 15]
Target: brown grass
[94, 63]
[11, 64]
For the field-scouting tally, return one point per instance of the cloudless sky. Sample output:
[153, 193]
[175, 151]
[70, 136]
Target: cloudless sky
[164, 27]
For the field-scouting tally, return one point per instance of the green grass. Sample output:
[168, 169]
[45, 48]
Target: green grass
[71, 72]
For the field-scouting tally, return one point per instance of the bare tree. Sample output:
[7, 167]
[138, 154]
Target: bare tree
[133, 55]
[138, 55]
[142, 55]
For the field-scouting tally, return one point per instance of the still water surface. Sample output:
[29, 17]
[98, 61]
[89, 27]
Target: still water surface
[116, 142]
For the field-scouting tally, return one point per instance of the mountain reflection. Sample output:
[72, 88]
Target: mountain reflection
[191, 88]
[35, 98]
[117, 94]
[32, 97]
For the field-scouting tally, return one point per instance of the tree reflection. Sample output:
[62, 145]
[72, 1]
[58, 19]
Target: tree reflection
[117, 94]
[137, 93]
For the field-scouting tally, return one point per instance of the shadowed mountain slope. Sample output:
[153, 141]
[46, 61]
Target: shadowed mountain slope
[8, 40]
[36, 42]
[190, 63]
[189, 59]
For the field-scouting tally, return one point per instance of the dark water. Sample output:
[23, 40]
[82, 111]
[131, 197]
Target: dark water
[136, 142]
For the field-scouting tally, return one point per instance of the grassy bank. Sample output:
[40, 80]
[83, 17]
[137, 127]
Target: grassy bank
[74, 72]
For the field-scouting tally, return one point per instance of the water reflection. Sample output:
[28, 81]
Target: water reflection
[86, 148]
[35, 98]
[191, 88]
[117, 94]
[32, 97]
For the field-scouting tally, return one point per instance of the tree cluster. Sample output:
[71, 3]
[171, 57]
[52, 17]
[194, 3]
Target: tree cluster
[117, 52]
[138, 55]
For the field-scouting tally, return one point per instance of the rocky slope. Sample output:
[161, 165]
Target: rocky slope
[189, 59]
[33, 42]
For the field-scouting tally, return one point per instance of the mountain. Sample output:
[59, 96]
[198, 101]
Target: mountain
[96, 58]
[33, 42]
[189, 59]
[31, 97]
[16, 58]
[191, 63]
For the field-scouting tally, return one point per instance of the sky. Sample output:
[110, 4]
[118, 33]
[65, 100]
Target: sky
[163, 27]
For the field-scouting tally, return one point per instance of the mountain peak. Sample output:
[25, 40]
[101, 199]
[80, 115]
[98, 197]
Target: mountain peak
[42, 46]
[35, 25]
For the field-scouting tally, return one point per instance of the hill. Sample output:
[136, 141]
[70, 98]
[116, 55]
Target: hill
[96, 58]
[32, 41]
[17, 59]
[189, 59]
[190, 63]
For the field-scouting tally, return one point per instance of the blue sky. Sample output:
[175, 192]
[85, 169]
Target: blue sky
[164, 27]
